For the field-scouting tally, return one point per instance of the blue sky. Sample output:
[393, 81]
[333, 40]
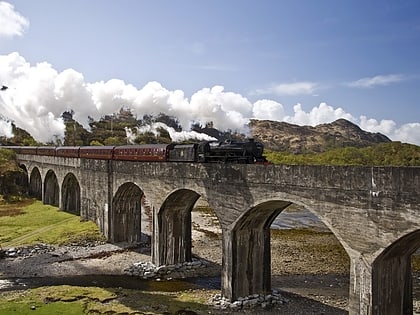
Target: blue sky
[304, 62]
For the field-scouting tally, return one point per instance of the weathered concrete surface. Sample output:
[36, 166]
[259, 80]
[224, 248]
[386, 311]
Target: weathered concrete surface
[373, 211]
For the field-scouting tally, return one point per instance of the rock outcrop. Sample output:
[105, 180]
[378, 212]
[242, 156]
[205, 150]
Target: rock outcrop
[282, 136]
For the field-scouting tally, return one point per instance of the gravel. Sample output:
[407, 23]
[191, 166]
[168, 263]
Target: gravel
[307, 278]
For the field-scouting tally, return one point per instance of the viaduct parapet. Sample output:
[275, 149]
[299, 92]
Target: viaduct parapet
[373, 211]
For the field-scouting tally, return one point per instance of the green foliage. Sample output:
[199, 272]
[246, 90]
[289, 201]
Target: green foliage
[10, 174]
[6, 156]
[114, 141]
[95, 143]
[384, 154]
[110, 129]
[164, 134]
[74, 134]
[147, 137]
[20, 137]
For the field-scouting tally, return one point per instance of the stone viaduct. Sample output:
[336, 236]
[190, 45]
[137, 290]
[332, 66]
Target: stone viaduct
[373, 211]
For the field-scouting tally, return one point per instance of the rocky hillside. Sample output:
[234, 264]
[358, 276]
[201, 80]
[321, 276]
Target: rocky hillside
[282, 136]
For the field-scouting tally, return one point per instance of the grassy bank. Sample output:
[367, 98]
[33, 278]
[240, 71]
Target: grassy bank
[75, 300]
[29, 222]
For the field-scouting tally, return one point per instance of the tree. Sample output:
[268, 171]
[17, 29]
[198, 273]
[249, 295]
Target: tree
[95, 143]
[146, 138]
[111, 128]
[74, 134]
[113, 141]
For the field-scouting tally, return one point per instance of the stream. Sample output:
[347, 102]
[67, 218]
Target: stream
[109, 281]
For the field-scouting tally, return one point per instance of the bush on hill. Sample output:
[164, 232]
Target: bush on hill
[384, 154]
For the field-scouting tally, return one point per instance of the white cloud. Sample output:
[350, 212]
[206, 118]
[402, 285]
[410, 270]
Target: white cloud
[38, 95]
[12, 23]
[408, 133]
[372, 125]
[268, 109]
[317, 115]
[29, 101]
[296, 88]
[227, 110]
[378, 80]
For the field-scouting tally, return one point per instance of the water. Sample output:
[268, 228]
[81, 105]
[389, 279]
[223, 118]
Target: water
[298, 218]
[6, 284]
[109, 281]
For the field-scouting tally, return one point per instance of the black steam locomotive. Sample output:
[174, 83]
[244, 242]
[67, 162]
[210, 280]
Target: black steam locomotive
[247, 152]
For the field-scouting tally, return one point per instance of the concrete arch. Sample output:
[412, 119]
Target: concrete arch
[247, 252]
[391, 277]
[126, 214]
[35, 184]
[173, 230]
[51, 189]
[70, 194]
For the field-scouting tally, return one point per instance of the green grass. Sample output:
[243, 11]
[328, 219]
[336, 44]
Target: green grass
[27, 222]
[66, 299]
[31, 222]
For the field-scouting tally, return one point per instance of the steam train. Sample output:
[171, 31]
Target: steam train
[248, 152]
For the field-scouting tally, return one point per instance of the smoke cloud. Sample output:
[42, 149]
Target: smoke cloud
[177, 136]
[38, 94]
[6, 129]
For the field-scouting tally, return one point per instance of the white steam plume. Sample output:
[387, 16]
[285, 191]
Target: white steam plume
[6, 129]
[176, 136]
[38, 95]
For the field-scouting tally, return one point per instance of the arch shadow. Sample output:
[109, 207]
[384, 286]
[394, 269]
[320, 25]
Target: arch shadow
[391, 277]
[51, 189]
[70, 194]
[126, 214]
[35, 184]
[173, 234]
[22, 179]
[247, 251]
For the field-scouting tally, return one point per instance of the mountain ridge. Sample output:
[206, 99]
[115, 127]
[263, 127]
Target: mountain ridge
[283, 136]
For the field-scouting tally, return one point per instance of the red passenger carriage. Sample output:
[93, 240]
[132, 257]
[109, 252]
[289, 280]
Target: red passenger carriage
[97, 152]
[50, 151]
[67, 152]
[142, 152]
